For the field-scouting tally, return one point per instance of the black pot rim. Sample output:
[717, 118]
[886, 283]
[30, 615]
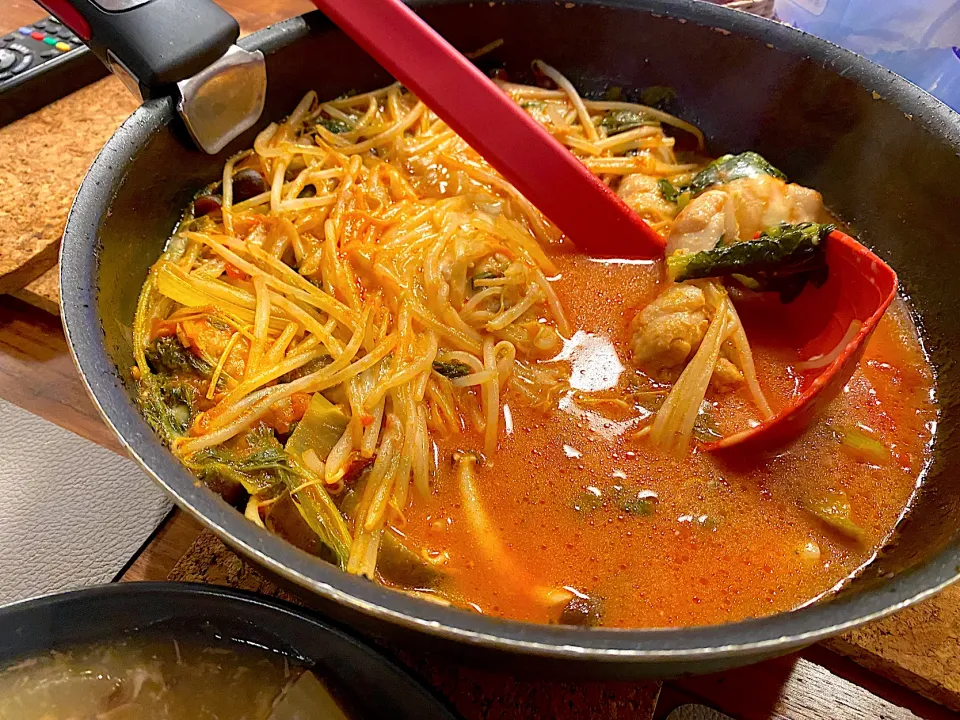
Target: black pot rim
[167, 590]
[92, 612]
[777, 633]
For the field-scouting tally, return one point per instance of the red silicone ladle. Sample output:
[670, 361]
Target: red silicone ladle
[860, 287]
[546, 173]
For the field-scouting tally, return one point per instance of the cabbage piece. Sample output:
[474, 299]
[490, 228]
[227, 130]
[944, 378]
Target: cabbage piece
[307, 697]
[834, 511]
[863, 447]
[319, 430]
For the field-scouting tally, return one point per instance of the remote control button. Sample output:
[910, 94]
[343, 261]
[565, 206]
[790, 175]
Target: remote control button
[10, 38]
[7, 58]
[50, 40]
[37, 35]
[62, 47]
[63, 32]
[24, 63]
[53, 20]
[25, 31]
[5, 76]
[48, 53]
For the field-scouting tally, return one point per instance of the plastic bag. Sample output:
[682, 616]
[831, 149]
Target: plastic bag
[918, 39]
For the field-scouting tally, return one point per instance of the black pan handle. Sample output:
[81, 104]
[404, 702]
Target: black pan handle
[154, 43]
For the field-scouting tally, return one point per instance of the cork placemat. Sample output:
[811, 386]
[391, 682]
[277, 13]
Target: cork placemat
[44, 292]
[477, 694]
[44, 158]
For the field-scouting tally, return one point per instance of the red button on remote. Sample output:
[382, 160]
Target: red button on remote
[37, 35]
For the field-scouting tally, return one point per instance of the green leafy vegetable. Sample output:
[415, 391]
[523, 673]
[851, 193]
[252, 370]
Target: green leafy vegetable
[723, 170]
[728, 168]
[264, 468]
[834, 511]
[166, 354]
[618, 121]
[641, 503]
[670, 192]
[319, 512]
[863, 447]
[401, 565]
[658, 96]
[485, 275]
[259, 467]
[311, 367]
[167, 403]
[168, 395]
[587, 501]
[614, 93]
[453, 369]
[783, 259]
[335, 125]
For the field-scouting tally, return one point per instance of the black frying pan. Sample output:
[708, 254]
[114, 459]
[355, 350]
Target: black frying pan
[885, 155]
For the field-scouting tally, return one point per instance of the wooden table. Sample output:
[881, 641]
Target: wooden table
[37, 373]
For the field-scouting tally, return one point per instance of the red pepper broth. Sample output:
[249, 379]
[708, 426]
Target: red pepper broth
[702, 539]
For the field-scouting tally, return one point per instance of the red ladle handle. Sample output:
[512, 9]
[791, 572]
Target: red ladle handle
[545, 172]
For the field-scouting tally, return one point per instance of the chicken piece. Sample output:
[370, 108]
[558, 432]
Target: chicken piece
[726, 375]
[740, 209]
[643, 195]
[668, 331]
[208, 338]
[702, 223]
[285, 412]
[763, 201]
[806, 205]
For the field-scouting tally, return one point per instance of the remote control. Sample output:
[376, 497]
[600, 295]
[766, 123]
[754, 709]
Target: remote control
[41, 63]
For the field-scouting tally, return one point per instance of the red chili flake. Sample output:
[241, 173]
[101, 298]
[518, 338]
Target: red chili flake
[235, 272]
[356, 466]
